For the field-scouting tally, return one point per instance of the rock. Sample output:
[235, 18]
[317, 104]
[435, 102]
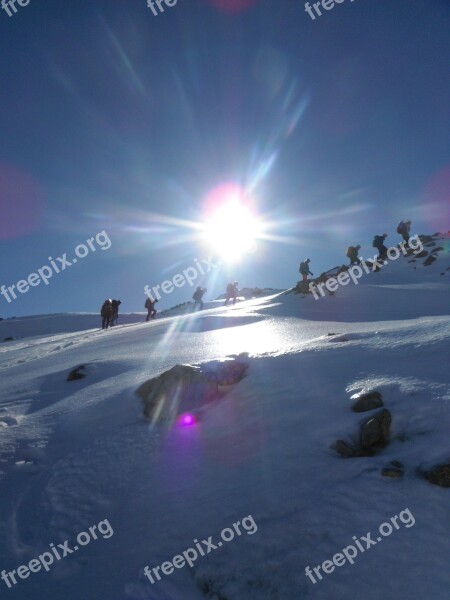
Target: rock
[413, 260]
[390, 472]
[339, 338]
[188, 387]
[430, 260]
[430, 244]
[8, 339]
[438, 249]
[341, 269]
[75, 374]
[374, 432]
[182, 384]
[344, 449]
[367, 402]
[439, 475]
[422, 254]
[302, 287]
[397, 464]
[425, 239]
[230, 372]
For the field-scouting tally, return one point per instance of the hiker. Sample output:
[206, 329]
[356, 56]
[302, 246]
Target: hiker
[150, 306]
[304, 269]
[378, 243]
[352, 254]
[106, 313]
[197, 297]
[403, 228]
[115, 311]
[232, 290]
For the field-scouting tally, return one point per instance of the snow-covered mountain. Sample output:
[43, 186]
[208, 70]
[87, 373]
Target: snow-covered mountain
[76, 453]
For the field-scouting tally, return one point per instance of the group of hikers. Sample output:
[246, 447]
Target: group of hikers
[110, 313]
[403, 228]
[110, 308]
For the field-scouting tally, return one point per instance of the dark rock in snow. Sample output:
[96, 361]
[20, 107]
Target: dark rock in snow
[188, 387]
[339, 338]
[425, 239]
[391, 472]
[374, 432]
[8, 339]
[75, 374]
[302, 287]
[430, 260]
[439, 475]
[397, 464]
[367, 402]
[230, 372]
[422, 254]
[344, 449]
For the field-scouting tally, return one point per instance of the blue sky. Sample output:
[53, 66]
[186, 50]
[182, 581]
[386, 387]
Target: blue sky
[115, 120]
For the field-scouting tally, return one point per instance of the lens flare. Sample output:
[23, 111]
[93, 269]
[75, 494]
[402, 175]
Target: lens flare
[233, 6]
[231, 227]
[187, 420]
[21, 202]
[435, 207]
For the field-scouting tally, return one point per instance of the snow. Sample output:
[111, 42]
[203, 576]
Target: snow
[76, 453]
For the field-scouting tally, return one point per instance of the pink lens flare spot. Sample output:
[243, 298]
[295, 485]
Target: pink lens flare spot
[187, 420]
[435, 206]
[21, 202]
[224, 194]
[233, 6]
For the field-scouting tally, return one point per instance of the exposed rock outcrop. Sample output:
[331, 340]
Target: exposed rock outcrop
[374, 432]
[368, 401]
[373, 436]
[439, 475]
[189, 387]
[76, 374]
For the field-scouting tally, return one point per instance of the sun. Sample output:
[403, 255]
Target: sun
[232, 229]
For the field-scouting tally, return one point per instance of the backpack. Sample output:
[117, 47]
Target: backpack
[304, 267]
[401, 227]
[230, 288]
[106, 310]
[148, 303]
[351, 251]
[377, 241]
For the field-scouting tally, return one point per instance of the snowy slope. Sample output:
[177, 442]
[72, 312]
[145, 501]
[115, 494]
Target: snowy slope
[75, 453]
[75, 322]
